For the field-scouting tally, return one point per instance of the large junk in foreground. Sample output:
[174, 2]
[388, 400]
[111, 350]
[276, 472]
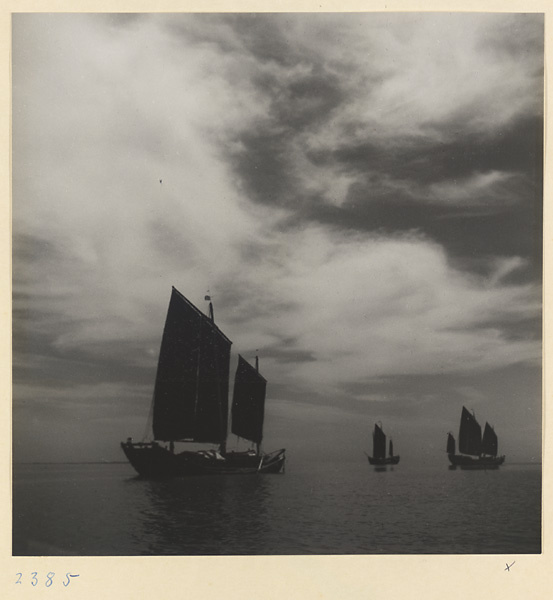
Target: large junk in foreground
[379, 457]
[477, 451]
[190, 402]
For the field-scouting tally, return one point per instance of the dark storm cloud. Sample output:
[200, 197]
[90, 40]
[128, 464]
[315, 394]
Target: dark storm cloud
[517, 37]
[304, 100]
[48, 361]
[247, 308]
[265, 162]
[390, 183]
[264, 168]
[263, 37]
[467, 236]
[47, 364]
[518, 147]
[25, 247]
[287, 351]
[475, 190]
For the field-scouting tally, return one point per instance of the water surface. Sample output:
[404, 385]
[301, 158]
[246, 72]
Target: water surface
[103, 509]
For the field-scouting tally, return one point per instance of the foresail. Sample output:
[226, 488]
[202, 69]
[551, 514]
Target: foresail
[191, 389]
[248, 403]
[470, 434]
[489, 441]
[379, 443]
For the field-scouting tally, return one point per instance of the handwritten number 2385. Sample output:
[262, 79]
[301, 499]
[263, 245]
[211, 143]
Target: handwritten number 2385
[49, 579]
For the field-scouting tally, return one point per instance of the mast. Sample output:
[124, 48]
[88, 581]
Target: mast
[223, 402]
[257, 446]
[211, 314]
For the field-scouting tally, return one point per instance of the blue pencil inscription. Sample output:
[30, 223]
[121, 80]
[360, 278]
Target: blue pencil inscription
[68, 575]
[35, 578]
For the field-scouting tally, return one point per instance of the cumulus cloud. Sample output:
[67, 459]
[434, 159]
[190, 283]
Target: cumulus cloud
[365, 308]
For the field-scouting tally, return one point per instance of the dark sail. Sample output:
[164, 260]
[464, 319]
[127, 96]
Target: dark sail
[470, 434]
[191, 389]
[391, 451]
[489, 441]
[248, 403]
[379, 443]
[450, 444]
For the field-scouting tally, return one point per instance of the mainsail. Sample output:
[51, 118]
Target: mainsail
[391, 450]
[248, 402]
[470, 434]
[489, 441]
[379, 443]
[191, 389]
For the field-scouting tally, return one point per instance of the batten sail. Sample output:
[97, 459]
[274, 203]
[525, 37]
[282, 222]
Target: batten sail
[489, 441]
[191, 388]
[470, 434]
[379, 443]
[450, 444]
[248, 402]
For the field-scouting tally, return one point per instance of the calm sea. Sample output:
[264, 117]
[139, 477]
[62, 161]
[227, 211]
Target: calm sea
[103, 509]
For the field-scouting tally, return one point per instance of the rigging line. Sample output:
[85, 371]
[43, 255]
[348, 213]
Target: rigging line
[149, 421]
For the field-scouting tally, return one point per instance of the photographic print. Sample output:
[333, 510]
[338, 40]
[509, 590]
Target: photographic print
[277, 284]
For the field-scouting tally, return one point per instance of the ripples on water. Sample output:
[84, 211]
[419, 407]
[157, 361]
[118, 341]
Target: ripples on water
[332, 509]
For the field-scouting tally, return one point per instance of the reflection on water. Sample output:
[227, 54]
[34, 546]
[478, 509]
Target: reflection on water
[322, 509]
[201, 513]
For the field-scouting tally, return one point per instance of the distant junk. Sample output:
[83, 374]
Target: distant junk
[476, 451]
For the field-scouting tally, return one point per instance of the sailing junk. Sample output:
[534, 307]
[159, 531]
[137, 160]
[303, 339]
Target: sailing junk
[379, 457]
[191, 402]
[477, 451]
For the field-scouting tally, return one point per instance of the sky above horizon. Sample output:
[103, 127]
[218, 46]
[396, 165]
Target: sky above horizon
[360, 193]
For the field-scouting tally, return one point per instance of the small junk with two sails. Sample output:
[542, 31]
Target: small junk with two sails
[379, 457]
[477, 451]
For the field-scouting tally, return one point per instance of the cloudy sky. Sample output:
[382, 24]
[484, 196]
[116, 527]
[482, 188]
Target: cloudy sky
[360, 193]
